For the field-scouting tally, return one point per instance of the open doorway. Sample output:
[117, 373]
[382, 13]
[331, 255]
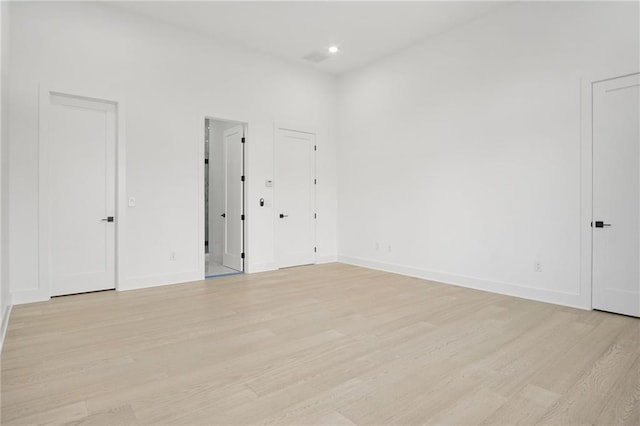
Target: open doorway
[224, 197]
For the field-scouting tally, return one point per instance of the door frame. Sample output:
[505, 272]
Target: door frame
[116, 98]
[586, 182]
[301, 129]
[199, 162]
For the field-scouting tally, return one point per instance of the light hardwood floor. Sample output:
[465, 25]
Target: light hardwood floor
[329, 344]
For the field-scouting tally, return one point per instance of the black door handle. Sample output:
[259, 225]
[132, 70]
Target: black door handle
[599, 224]
[223, 215]
[282, 215]
[108, 219]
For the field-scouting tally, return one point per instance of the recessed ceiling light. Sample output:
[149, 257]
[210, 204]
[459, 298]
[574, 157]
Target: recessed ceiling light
[334, 49]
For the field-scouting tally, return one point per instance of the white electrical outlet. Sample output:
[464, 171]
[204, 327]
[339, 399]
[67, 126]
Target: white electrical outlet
[172, 256]
[537, 266]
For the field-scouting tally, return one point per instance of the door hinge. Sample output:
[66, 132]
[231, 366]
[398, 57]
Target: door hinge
[315, 216]
[315, 249]
[241, 217]
[315, 181]
[242, 178]
[243, 140]
[206, 161]
[315, 147]
[241, 255]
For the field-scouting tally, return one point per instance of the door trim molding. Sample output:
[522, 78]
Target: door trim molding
[199, 147]
[43, 292]
[301, 129]
[586, 182]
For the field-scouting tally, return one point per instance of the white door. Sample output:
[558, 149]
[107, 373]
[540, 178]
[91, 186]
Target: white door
[233, 189]
[79, 148]
[294, 198]
[616, 195]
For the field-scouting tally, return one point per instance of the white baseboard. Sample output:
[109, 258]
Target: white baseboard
[272, 266]
[261, 267]
[29, 296]
[5, 323]
[146, 281]
[132, 283]
[327, 258]
[573, 300]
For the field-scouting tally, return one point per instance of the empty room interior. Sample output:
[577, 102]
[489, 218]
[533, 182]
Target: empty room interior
[320, 212]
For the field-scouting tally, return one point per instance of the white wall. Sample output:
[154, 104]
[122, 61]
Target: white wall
[5, 297]
[165, 75]
[467, 149]
[462, 153]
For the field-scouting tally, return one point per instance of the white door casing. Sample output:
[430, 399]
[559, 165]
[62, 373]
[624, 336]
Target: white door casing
[616, 195]
[233, 198]
[294, 195]
[78, 167]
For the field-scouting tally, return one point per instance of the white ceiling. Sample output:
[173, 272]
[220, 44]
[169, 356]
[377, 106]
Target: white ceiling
[365, 31]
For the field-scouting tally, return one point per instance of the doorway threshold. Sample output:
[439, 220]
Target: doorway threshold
[224, 274]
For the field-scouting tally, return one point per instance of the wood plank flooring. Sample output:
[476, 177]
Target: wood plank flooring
[327, 344]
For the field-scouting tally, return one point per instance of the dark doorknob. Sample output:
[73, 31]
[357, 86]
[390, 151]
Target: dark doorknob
[223, 215]
[282, 215]
[108, 219]
[599, 224]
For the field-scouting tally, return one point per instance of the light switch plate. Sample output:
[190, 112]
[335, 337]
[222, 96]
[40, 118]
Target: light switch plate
[132, 201]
